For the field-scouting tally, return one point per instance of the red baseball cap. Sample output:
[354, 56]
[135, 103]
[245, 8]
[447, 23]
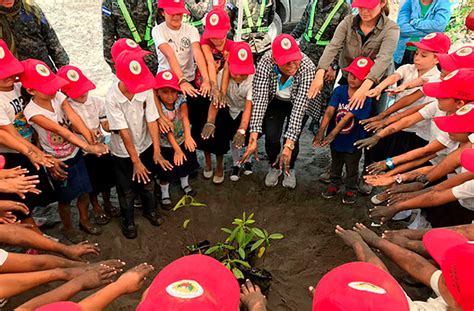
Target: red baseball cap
[60, 306]
[173, 7]
[132, 71]
[470, 21]
[460, 122]
[457, 84]
[2, 161]
[455, 254]
[461, 58]
[241, 59]
[195, 282]
[360, 67]
[366, 4]
[217, 24]
[124, 44]
[167, 78]
[285, 50]
[10, 66]
[436, 42]
[359, 286]
[38, 76]
[78, 84]
[467, 159]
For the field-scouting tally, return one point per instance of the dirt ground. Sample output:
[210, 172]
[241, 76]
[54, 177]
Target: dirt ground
[309, 250]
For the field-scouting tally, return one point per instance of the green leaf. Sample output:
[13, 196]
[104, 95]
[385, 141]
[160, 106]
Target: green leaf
[257, 244]
[261, 251]
[240, 236]
[229, 247]
[237, 273]
[185, 223]
[231, 238]
[258, 232]
[212, 250]
[226, 230]
[276, 236]
[243, 263]
[227, 265]
[243, 218]
[266, 232]
[241, 253]
[250, 221]
[251, 216]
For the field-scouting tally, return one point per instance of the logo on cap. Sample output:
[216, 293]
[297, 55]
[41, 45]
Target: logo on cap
[135, 67]
[131, 43]
[464, 52]
[214, 19]
[362, 62]
[367, 287]
[286, 43]
[464, 110]
[430, 36]
[2, 53]
[452, 74]
[185, 289]
[243, 55]
[42, 70]
[167, 75]
[73, 75]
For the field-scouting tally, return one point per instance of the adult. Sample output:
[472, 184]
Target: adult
[279, 93]
[133, 19]
[418, 18]
[316, 29]
[28, 34]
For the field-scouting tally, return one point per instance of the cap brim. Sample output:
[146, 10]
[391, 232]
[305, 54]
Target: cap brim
[241, 70]
[447, 62]
[365, 4]
[141, 83]
[438, 241]
[434, 89]
[53, 86]
[174, 11]
[291, 57]
[79, 91]
[467, 159]
[215, 34]
[420, 45]
[354, 72]
[170, 85]
[11, 69]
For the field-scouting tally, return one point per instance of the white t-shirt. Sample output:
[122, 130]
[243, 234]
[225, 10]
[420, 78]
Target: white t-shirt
[11, 112]
[238, 94]
[92, 112]
[51, 142]
[429, 112]
[181, 42]
[436, 304]
[408, 73]
[3, 256]
[133, 115]
[465, 194]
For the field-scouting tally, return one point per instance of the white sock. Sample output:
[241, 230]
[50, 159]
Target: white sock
[184, 181]
[165, 193]
[236, 155]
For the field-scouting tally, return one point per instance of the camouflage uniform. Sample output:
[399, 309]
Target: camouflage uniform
[115, 27]
[260, 42]
[314, 51]
[198, 10]
[34, 37]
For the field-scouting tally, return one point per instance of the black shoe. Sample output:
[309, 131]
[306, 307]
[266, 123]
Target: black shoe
[248, 168]
[154, 219]
[130, 231]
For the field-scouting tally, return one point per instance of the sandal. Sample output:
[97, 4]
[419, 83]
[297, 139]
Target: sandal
[218, 179]
[112, 210]
[166, 204]
[189, 191]
[101, 218]
[91, 229]
[73, 236]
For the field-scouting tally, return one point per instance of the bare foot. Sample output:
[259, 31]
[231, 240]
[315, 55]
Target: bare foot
[351, 238]
[74, 252]
[252, 297]
[370, 237]
[72, 273]
[113, 263]
[97, 277]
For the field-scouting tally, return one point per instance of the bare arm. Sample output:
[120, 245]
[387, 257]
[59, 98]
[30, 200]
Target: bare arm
[403, 102]
[401, 124]
[244, 123]
[447, 165]
[415, 154]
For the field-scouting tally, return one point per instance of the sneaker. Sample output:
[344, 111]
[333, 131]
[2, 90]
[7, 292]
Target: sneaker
[248, 168]
[235, 175]
[289, 181]
[349, 198]
[271, 180]
[364, 187]
[325, 177]
[330, 192]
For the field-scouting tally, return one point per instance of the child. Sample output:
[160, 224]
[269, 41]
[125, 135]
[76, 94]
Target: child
[177, 146]
[239, 92]
[92, 111]
[344, 130]
[51, 116]
[132, 113]
[213, 139]
[424, 66]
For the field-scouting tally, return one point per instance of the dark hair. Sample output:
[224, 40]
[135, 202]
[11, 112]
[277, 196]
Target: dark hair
[385, 9]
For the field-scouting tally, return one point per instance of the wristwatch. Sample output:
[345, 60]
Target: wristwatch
[241, 131]
[389, 163]
[290, 146]
[399, 179]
